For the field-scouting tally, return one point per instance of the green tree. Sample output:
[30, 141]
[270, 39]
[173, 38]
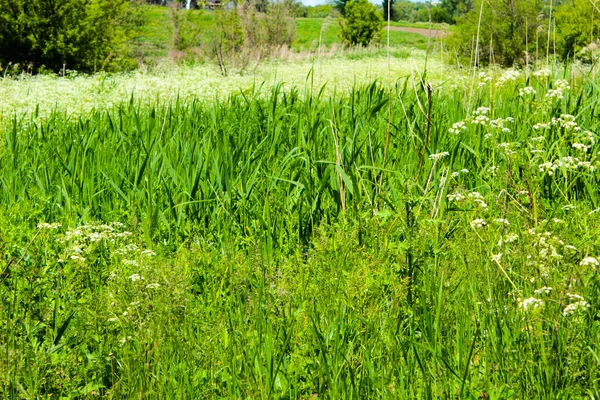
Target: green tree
[508, 29]
[385, 4]
[340, 5]
[82, 35]
[456, 8]
[362, 23]
[577, 25]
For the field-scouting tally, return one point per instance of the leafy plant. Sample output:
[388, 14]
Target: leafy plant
[361, 24]
[66, 33]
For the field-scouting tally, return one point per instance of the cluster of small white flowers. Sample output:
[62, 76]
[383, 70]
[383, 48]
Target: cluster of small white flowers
[589, 261]
[456, 197]
[133, 263]
[153, 286]
[498, 123]
[511, 237]
[502, 221]
[130, 248]
[492, 170]
[136, 277]
[455, 174]
[579, 305]
[530, 303]
[568, 162]
[484, 78]
[496, 257]
[458, 127]
[510, 75]
[543, 290]
[538, 126]
[543, 73]
[478, 223]
[438, 156]
[148, 253]
[478, 199]
[481, 111]
[480, 120]
[45, 225]
[547, 244]
[560, 86]
[527, 91]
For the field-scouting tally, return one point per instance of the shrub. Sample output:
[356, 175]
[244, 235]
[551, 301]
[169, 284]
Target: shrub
[362, 23]
[51, 35]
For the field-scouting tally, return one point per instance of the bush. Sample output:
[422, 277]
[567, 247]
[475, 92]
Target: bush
[63, 33]
[362, 23]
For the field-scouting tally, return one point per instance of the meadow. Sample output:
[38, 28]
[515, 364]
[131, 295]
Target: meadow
[300, 234]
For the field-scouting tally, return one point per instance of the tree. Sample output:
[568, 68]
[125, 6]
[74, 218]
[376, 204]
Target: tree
[340, 5]
[577, 25]
[362, 23]
[392, 14]
[77, 34]
[508, 30]
[456, 8]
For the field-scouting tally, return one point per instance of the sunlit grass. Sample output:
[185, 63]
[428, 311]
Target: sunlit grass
[278, 243]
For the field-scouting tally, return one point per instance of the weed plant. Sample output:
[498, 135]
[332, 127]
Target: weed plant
[275, 245]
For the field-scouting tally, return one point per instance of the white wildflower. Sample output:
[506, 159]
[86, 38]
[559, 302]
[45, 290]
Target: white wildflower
[589, 261]
[531, 304]
[478, 223]
[45, 225]
[136, 277]
[438, 156]
[543, 290]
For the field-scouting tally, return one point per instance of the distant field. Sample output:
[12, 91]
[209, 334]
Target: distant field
[155, 38]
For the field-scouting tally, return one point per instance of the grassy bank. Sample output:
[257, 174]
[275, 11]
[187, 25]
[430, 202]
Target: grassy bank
[295, 244]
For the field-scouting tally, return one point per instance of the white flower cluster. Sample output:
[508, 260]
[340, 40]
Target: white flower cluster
[438, 156]
[568, 163]
[543, 73]
[578, 306]
[589, 261]
[478, 223]
[530, 304]
[547, 244]
[527, 91]
[456, 174]
[478, 199]
[543, 290]
[560, 87]
[458, 127]
[45, 225]
[508, 76]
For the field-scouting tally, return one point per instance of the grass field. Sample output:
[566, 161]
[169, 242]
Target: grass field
[304, 243]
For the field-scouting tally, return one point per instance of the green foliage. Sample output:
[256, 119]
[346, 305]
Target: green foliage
[508, 30]
[51, 35]
[577, 25]
[362, 23]
[456, 8]
[392, 11]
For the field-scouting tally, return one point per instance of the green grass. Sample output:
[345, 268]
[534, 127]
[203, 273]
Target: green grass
[298, 254]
